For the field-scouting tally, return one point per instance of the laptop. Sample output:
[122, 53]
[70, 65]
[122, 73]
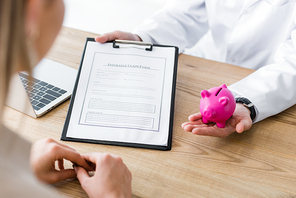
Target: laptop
[51, 84]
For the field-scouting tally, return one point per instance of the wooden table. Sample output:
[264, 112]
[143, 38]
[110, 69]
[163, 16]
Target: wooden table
[260, 162]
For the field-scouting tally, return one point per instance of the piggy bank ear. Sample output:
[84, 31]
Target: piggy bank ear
[223, 86]
[204, 93]
[224, 100]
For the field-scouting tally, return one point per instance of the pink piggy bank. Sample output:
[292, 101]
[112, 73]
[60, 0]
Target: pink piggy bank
[217, 105]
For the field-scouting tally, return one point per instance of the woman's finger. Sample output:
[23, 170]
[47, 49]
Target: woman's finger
[57, 176]
[66, 146]
[81, 173]
[61, 164]
[52, 141]
[94, 157]
[72, 156]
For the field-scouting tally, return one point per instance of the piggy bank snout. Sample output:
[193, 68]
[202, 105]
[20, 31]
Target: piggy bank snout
[209, 113]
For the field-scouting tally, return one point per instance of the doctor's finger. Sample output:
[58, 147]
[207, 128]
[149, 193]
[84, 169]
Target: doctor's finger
[189, 127]
[195, 117]
[192, 125]
[185, 125]
[117, 35]
[243, 125]
[213, 131]
[199, 122]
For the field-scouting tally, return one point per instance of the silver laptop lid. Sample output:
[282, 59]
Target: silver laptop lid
[52, 83]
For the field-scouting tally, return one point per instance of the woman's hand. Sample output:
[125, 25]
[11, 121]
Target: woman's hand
[239, 122]
[111, 179]
[117, 35]
[46, 152]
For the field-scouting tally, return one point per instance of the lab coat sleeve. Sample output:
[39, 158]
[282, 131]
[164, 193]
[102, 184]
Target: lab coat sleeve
[272, 88]
[181, 23]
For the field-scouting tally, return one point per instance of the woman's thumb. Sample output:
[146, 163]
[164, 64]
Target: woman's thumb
[81, 173]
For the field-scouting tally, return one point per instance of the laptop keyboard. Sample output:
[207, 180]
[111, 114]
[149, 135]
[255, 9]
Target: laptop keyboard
[39, 92]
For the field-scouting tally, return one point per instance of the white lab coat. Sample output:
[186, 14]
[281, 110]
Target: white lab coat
[249, 33]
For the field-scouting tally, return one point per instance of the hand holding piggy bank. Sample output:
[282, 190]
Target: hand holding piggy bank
[217, 105]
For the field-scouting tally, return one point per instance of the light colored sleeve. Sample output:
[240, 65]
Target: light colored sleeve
[181, 23]
[16, 176]
[272, 88]
[16, 186]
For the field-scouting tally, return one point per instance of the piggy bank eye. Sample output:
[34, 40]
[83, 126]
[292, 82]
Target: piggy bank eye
[223, 100]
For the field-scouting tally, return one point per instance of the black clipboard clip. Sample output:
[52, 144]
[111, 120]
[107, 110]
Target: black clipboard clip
[115, 42]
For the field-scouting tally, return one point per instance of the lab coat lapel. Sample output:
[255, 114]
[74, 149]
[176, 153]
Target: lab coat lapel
[248, 4]
[278, 2]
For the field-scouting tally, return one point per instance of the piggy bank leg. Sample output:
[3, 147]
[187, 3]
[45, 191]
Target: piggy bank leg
[221, 125]
[204, 120]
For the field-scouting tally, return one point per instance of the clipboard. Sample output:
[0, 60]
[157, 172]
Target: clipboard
[124, 95]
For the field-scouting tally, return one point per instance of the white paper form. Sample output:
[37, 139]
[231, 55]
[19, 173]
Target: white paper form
[124, 91]
[123, 95]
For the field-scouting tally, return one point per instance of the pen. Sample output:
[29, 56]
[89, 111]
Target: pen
[74, 164]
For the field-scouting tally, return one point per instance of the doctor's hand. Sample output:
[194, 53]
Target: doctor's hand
[120, 35]
[46, 152]
[111, 179]
[239, 122]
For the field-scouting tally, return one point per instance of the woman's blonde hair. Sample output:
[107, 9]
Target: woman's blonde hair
[13, 44]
